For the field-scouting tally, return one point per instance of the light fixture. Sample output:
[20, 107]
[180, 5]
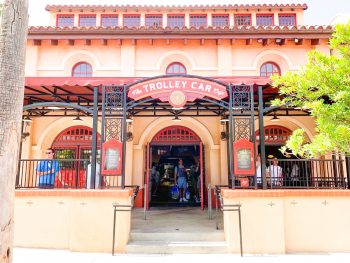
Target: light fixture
[129, 119]
[177, 108]
[176, 118]
[224, 119]
[275, 118]
[278, 41]
[296, 40]
[27, 118]
[77, 118]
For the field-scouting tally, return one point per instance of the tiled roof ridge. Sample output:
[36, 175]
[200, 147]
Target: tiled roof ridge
[120, 28]
[229, 6]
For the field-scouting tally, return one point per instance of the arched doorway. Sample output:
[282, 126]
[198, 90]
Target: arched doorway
[73, 146]
[164, 151]
[275, 137]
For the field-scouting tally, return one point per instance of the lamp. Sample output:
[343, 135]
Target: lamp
[275, 118]
[224, 118]
[77, 118]
[176, 118]
[27, 118]
[129, 119]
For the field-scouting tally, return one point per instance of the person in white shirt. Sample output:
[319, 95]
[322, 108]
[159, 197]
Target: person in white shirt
[274, 173]
[258, 171]
[97, 178]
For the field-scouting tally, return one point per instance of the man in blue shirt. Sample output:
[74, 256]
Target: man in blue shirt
[47, 170]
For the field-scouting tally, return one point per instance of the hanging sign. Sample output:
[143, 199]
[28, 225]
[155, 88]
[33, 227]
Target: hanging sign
[243, 151]
[177, 90]
[112, 157]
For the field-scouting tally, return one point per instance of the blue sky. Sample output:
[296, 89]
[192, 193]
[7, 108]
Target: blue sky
[320, 12]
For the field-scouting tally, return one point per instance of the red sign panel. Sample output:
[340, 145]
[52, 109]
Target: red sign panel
[244, 182]
[177, 90]
[112, 157]
[243, 152]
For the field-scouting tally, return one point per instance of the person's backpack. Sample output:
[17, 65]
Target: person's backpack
[174, 192]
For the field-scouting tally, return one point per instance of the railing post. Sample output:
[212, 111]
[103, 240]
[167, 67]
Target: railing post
[262, 138]
[144, 202]
[114, 218]
[347, 160]
[209, 203]
[94, 141]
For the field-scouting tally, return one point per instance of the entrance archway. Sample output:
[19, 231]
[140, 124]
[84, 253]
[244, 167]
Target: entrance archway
[164, 151]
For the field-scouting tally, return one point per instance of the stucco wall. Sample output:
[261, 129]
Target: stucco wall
[77, 220]
[278, 222]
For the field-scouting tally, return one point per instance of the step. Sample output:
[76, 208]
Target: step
[178, 236]
[177, 247]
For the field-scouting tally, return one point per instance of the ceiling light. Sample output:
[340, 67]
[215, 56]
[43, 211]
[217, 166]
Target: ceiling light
[53, 108]
[275, 118]
[176, 118]
[129, 119]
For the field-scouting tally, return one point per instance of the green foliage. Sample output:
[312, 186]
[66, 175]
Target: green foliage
[323, 88]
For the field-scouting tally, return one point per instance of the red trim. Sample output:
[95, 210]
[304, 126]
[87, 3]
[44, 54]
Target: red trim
[86, 15]
[148, 168]
[63, 15]
[275, 134]
[109, 15]
[176, 133]
[266, 14]
[288, 14]
[117, 146]
[201, 175]
[243, 145]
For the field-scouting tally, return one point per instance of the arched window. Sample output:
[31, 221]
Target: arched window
[268, 69]
[175, 68]
[82, 69]
[275, 134]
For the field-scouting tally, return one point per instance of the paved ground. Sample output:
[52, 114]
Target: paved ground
[24, 255]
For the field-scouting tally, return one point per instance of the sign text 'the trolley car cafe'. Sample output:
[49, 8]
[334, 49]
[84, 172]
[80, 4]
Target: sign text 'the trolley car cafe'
[177, 90]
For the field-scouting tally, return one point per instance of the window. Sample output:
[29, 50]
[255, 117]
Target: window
[287, 20]
[65, 20]
[175, 68]
[87, 20]
[264, 20]
[220, 20]
[82, 69]
[109, 20]
[176, 21]
[243, 20]
[154, 21]
[131, 20]
[268, 69]
[198, 20]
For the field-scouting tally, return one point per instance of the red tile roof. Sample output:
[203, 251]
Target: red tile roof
[206, 31]
[172, 7]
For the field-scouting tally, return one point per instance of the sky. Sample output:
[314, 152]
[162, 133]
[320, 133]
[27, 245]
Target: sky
[319, 12]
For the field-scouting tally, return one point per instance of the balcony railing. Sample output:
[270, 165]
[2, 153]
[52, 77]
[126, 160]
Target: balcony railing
[61, 173]
[306, 173]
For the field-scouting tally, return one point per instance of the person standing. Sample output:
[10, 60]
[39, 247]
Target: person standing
[258, 171]
[180, 180]
[274, 172]
[97, 178]
[47, 170]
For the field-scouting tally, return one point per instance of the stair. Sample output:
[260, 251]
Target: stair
[176, 232]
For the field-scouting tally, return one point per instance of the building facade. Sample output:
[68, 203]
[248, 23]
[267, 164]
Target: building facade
[113, 48]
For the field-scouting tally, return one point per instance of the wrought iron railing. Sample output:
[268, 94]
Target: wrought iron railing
[305, 173]
[62, 173]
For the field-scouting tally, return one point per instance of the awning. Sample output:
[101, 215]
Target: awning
[97, 81]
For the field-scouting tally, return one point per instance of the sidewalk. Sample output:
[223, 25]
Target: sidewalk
[24, 255]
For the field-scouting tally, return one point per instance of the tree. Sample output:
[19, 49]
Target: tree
[13, 35]
[322, 87]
